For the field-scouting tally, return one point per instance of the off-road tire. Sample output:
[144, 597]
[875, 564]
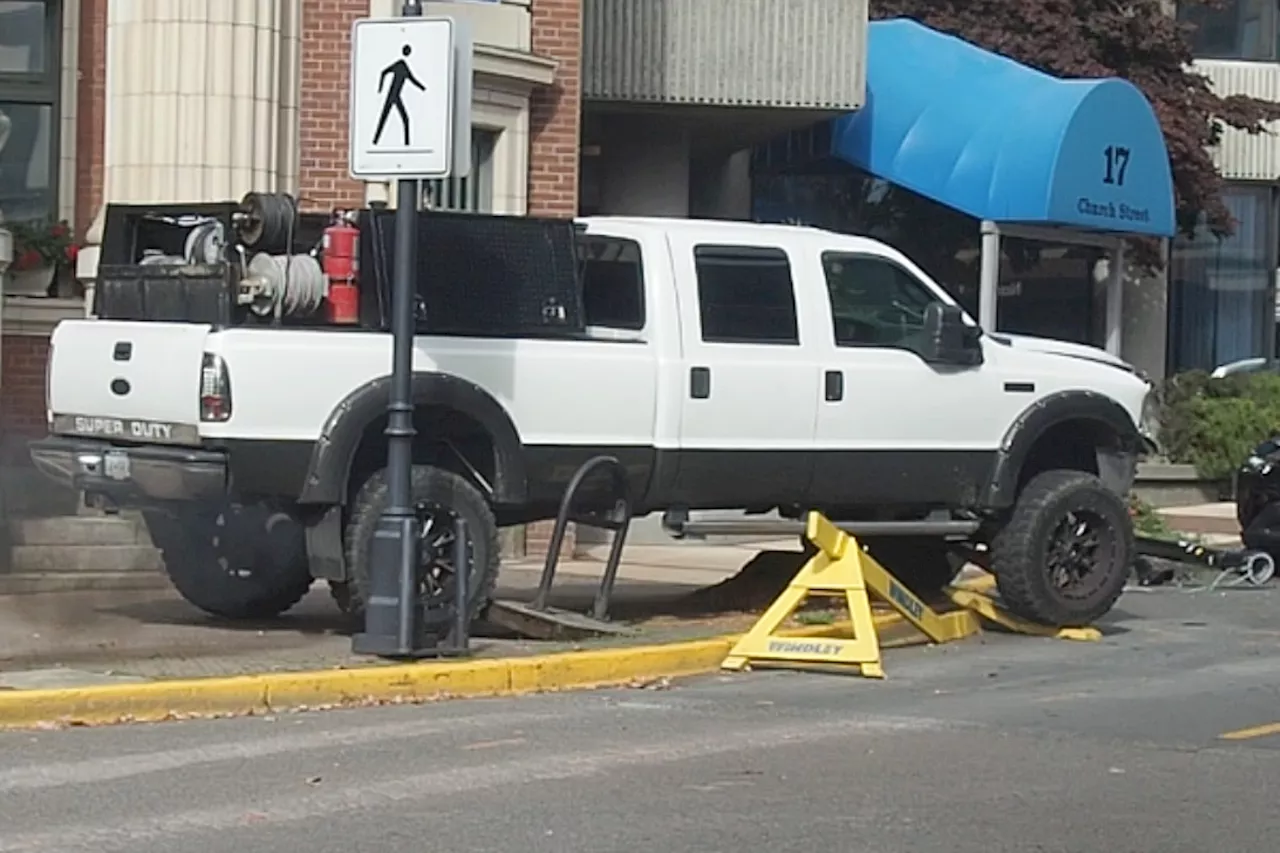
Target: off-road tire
[428, 484]
[1019, 552]
[921, 564]
[260, 583]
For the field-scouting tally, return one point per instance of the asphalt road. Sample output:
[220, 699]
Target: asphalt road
[1007, 744]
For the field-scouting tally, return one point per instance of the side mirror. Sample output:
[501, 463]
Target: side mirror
[948, 338]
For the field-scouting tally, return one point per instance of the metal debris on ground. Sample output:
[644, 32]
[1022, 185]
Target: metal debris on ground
[1180, 564]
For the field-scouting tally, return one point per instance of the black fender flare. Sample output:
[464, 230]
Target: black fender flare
[331, 458]
[1039, 418]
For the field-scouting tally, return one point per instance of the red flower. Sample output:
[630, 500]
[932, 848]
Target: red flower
[58, 230]
[73, 252]
[28, 260]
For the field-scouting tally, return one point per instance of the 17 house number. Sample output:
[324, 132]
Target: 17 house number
[1117, 158]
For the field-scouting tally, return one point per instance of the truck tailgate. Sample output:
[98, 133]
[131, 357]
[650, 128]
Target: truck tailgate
[127, 381]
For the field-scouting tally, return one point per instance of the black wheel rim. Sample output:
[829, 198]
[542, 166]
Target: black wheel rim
[1081, 554]
[436, 541]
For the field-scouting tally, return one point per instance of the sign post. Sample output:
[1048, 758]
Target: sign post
[405, 126]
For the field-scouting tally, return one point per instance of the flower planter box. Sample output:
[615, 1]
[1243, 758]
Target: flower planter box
[29, 282]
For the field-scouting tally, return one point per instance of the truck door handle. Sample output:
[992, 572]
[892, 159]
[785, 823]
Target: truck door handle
[835, 386]
[699, 382]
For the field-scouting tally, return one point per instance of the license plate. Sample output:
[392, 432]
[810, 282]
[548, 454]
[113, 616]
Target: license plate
[115, 465]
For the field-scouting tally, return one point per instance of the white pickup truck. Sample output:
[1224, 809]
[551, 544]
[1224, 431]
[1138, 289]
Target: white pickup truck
[727, 365]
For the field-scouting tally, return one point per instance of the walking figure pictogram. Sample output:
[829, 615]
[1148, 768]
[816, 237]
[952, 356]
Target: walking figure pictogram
[400, 74]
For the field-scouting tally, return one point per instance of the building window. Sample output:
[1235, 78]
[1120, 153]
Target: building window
[1221, 300]
[474, 193]
[1240, 29]
[612, 282]
[29, 87]
[745, 295]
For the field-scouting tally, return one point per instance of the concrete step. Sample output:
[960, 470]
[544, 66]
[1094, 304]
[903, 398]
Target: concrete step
[40, 583]
[78, 530]
[72, 559]
[1203, 519]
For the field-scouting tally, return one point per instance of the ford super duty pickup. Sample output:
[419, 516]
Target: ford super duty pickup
[726, 365]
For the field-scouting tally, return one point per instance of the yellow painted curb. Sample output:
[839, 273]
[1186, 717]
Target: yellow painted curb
[268, 692]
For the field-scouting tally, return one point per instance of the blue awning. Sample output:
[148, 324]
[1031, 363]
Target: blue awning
[985, 135]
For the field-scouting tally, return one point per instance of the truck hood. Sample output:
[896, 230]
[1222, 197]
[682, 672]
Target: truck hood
[1026, 343]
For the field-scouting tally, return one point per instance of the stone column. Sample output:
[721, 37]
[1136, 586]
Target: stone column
[1145, 319]
[202, 99]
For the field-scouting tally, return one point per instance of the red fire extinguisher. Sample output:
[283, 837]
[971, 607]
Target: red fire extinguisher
[341, 239]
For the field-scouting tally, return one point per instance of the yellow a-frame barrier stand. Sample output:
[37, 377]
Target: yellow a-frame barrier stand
[842, 569]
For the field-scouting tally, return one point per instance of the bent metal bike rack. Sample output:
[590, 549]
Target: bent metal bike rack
[538, 620]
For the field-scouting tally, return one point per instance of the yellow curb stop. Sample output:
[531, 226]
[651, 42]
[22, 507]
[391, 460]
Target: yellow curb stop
[272, 692]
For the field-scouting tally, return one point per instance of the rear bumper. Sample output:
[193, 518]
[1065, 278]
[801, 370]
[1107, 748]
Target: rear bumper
[132, 476]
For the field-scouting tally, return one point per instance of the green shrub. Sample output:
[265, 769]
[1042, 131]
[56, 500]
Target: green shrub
[1214, 423]
[1147, 521]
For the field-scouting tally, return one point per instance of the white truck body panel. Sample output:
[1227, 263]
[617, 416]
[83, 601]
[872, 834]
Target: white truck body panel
[280, 390]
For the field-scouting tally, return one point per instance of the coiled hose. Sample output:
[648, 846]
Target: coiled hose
[266, 222]
[296, 283]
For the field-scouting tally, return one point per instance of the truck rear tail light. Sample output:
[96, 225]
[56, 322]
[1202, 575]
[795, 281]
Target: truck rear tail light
[215, 389]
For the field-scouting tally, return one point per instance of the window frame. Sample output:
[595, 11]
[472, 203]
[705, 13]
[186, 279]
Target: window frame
[44, 89]
[644, 305]
[484, 143]
[745, 252]
[1270, 17]
[847, 254]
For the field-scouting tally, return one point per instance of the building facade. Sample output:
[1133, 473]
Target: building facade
[157, 101]
[1222, 293]
[655, 103]
[676, 92]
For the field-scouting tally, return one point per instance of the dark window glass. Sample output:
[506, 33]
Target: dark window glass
[27, 162]
[1240, 29]
[1221, 300]
[612, 282]
[745, 295]
[874, 303]
[24, 27]
[29, 89]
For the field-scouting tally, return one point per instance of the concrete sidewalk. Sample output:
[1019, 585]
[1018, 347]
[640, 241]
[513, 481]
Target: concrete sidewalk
[155, 634]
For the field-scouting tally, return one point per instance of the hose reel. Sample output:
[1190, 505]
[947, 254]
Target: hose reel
[265, 222]
[291, 285]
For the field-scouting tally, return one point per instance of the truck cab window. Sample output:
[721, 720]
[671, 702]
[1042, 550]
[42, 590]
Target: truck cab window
[874, 302]
[745, 295]
[612, 277]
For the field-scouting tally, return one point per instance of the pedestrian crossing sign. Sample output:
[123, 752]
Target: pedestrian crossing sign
[410, 98]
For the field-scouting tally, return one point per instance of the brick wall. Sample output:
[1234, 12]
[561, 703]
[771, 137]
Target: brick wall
[91, 111]
[555, 125]
[326, 53]
[556, 116]
[22, 362]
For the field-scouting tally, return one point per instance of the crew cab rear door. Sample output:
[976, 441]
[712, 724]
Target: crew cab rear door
[751, 391]
[126, 381]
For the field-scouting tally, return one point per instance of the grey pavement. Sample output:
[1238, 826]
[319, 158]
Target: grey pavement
[1001, 744]
[155, 634]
